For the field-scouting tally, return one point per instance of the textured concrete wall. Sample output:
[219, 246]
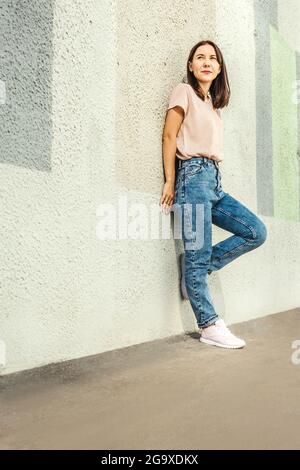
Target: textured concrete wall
[110, 67]
[26, 68]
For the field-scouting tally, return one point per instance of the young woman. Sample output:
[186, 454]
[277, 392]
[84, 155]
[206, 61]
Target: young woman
[193, 136]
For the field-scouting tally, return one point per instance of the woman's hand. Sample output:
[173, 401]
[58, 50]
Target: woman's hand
[167, 198]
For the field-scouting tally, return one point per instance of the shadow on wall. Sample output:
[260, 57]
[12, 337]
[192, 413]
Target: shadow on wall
[277, 117]
[25, 82]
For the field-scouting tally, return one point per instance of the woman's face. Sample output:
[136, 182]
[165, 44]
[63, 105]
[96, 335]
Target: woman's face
[205, 65]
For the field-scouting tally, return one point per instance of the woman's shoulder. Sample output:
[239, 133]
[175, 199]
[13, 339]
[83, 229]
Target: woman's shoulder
[181, 89]
[182, 86]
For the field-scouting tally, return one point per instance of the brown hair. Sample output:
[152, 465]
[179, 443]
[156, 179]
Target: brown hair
[219, 89]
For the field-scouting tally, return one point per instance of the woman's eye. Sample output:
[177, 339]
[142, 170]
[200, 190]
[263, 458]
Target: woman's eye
[203, 58]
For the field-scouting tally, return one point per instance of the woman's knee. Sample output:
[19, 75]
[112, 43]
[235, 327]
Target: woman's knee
[260, 233]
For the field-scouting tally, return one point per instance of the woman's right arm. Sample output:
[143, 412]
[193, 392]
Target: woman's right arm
[173, 122]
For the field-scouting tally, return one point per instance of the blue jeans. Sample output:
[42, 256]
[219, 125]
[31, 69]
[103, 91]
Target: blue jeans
[202, 202]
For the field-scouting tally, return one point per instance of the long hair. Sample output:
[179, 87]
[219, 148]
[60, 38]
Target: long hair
[219, 89]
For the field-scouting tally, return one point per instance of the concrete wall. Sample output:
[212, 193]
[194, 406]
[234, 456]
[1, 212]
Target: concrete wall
[81, 126]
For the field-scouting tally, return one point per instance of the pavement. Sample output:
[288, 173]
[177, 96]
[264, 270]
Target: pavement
[172, 393]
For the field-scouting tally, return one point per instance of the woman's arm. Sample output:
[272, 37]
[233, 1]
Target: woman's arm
[173, 122]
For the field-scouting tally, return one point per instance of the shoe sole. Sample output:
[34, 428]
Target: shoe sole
[182, 280]
[226, 346]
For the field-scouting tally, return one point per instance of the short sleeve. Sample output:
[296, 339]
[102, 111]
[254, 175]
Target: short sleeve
[179, 97]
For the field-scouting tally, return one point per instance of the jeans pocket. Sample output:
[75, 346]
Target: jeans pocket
[192, 169]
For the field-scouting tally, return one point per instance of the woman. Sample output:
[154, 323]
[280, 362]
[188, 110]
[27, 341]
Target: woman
[193, 136]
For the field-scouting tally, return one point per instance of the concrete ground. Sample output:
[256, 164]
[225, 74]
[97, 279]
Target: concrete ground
[175, 393]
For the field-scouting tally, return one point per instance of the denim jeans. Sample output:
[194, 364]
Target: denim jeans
[202, 202]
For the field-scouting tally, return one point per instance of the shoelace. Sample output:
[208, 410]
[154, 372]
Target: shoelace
[223, 328]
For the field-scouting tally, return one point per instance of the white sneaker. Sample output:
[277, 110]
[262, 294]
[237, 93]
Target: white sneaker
[219, 335]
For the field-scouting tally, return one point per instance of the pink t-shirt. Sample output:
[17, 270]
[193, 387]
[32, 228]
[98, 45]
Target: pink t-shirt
[201, 131]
